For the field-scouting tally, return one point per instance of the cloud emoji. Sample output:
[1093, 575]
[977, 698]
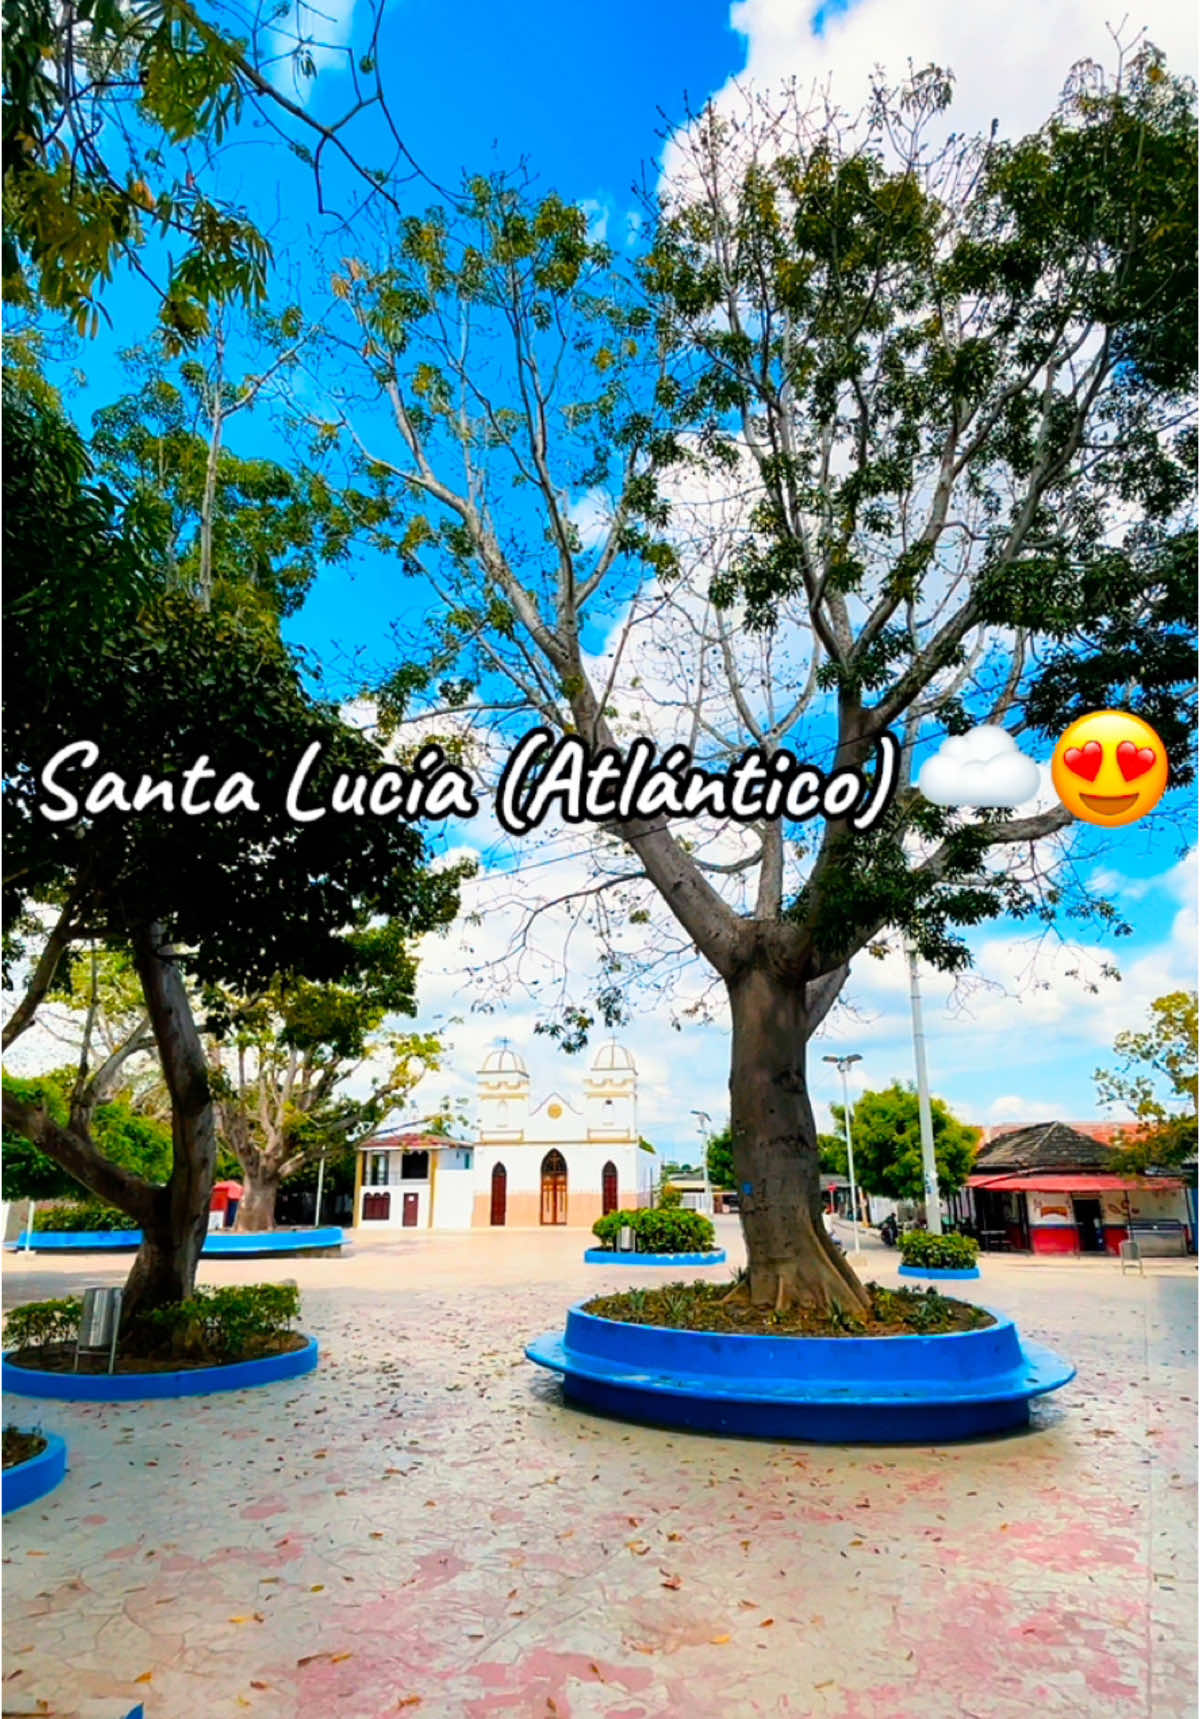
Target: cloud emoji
[984, 767]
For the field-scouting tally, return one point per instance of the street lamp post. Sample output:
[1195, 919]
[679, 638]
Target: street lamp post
[933, 1198]
[320, 1185]
[704, 1122]
[843, 1063]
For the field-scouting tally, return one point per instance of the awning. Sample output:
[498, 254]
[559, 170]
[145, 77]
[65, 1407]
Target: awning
[1063, 1182]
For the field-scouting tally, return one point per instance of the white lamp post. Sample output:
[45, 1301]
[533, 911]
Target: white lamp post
[933, 1198]
[704, 1122]
[843, 1063]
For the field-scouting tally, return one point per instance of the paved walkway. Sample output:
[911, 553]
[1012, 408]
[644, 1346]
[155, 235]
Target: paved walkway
[423, 1526]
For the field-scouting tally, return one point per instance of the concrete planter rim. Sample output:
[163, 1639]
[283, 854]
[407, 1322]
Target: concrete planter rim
[617, 1256]
[145, 1387]
[25, 1482]
[217, 1242]
[831, 1390]
[950, 1273]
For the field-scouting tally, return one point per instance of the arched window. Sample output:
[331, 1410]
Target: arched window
[499, 1193]
[554, 1188]
[608, 1188]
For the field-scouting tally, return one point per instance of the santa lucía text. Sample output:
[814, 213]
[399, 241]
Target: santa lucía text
[543, 776]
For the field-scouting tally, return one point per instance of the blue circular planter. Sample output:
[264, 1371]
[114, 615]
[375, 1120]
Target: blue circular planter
[937, 1273]
[828, 1390]
[139, 1387]
[78, 1241]
[256, 1245]
[26, 1482]
[252, 1245]
[611, 1256]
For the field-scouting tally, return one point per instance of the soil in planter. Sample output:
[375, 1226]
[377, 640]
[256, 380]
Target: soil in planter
[60, 1358]
[21, 1446]
[706, 1307]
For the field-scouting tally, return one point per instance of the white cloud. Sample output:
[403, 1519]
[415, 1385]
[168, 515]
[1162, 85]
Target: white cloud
[597, 213]
[1009, 58]
[984, 767]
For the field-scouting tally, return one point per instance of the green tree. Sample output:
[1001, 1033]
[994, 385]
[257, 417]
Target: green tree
[237, 530]
[112, 117]
[239, 900]
[831, 1150]
[1156, 1083]
[720, 1159]
[890, 438]
[886, 1130]
[133, 1142]
[282, 1060]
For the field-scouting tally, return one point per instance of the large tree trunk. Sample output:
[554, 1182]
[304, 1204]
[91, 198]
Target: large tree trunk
[791, 1259]
[165, 1267]
[256, 1210]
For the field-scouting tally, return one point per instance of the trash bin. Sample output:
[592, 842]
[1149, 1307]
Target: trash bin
[99, 1324]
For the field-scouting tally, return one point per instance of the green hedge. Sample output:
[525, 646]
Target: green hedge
[74, 1215]
[938, 1253]
[657, 1230]
[231, 1324]
[218, 1325]
[39, 1322]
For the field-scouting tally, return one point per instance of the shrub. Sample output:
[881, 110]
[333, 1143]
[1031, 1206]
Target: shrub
[669, 1198]
[235, 1323]
[76, 1215]
[214, 1325]
[41, 1322]
[938, 1253]
[658, 1231]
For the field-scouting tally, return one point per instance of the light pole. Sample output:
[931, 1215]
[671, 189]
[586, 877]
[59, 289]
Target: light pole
[320, 1185]
[933, 1199]
[843, 1063]
[704, 1121]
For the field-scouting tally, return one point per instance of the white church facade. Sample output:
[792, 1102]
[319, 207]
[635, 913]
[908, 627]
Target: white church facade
[550, 1163]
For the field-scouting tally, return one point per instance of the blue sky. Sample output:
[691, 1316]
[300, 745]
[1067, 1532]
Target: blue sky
[576, 92]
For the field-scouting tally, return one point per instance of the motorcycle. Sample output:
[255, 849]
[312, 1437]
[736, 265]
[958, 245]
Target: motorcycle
[889, 1231]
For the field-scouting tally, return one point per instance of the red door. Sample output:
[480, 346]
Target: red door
[499, 1193]
[608, 1188]
[554, 1188]
[408, 1215]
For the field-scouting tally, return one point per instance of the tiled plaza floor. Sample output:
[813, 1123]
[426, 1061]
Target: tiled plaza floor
[423, 1527]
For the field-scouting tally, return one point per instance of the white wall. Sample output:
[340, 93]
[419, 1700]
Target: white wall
[453, 1198]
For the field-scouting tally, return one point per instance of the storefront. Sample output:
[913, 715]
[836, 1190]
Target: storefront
[1026, 1195]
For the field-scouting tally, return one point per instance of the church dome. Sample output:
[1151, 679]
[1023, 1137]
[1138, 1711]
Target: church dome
[613, 1058]
[504, 1060]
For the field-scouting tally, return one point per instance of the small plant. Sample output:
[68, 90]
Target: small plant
[938, 1253]
[669, 1198]
[71, 1216]
[40, 1322]
[235, 1323]
[676, 1302]
[841, 1319]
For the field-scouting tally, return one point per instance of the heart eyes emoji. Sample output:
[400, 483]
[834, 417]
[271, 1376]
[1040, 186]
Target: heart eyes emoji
[1109, 768]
